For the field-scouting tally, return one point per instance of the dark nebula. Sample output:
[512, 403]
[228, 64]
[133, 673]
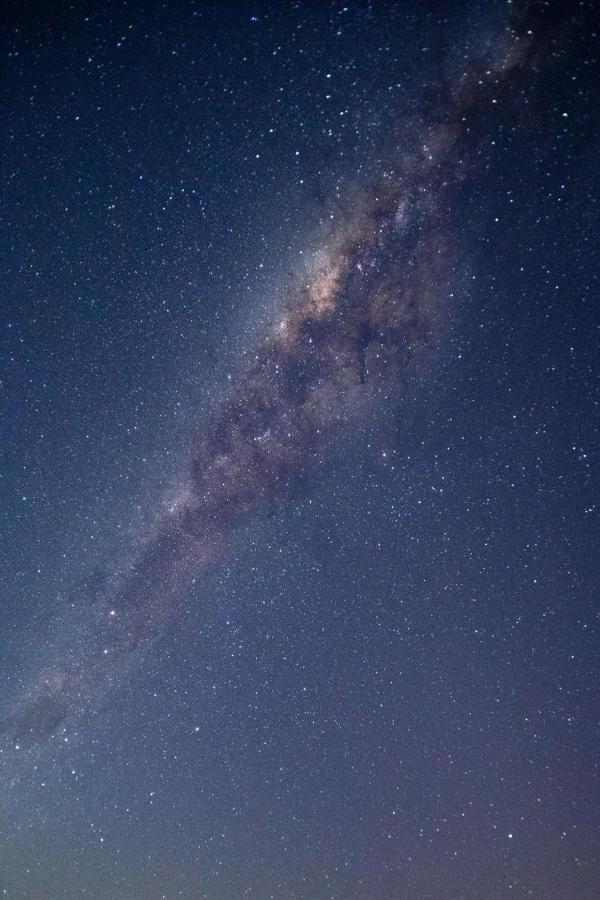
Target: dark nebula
[352, 331]
[299, 494]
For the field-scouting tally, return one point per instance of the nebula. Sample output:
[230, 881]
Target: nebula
[343, 344]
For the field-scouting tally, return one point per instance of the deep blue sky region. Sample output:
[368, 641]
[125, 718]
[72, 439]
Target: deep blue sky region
[299, 451]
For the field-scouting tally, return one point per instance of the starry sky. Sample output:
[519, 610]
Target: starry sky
[298, 470]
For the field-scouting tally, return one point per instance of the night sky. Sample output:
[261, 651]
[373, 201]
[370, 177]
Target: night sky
[299, 460]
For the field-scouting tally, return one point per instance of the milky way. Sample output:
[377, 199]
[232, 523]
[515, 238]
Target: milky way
[343, 344]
